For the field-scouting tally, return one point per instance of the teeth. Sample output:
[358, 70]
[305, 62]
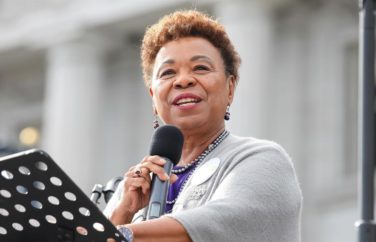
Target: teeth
[186, 100]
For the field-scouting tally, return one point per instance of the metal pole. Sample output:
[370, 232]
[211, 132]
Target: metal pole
[366, 140]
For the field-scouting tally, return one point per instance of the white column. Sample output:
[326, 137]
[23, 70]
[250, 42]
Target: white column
[249, 26]
[73, 105]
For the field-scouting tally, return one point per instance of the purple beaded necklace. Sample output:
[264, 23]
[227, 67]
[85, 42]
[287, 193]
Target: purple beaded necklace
[184, 172]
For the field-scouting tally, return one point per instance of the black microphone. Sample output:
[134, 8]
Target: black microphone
[167, 142]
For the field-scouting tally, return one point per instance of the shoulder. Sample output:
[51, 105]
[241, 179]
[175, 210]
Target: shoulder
[250, 147]
[262, 159]
[252, 142]
[262, 162]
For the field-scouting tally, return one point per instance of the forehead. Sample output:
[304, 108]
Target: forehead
[186, 48]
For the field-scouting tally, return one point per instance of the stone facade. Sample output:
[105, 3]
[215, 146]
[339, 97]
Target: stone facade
[71, 69]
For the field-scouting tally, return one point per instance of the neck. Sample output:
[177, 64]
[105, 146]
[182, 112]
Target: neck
[196, 143]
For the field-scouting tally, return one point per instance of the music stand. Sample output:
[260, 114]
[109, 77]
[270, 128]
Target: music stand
[40, 203]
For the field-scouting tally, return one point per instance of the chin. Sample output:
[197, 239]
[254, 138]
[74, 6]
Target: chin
[189, 124]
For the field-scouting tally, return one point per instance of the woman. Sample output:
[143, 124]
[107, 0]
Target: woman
[225, 188]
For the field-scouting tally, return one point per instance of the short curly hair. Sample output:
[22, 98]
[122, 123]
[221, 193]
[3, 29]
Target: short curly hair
[188, 23]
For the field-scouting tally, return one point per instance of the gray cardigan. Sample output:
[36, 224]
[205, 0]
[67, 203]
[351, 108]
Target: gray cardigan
[245, 190]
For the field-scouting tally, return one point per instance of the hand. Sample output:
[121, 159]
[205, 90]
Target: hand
[136, 190]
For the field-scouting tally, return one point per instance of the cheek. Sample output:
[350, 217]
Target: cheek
[155, 84]
[157, 87]
[160, 93]
[219, 93]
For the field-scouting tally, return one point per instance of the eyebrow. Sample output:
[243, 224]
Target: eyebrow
[168, 61]
[198, 57]
[193, 58]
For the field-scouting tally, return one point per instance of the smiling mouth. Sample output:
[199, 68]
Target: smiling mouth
[186, 101]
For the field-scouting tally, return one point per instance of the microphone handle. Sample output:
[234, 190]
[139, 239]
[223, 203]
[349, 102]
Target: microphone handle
[159, 190]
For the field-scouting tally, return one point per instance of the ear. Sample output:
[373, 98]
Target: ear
[151, 92]
[152, 95]
[231, 88]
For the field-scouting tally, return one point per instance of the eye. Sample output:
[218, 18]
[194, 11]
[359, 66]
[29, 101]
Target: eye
[167, 73]
[201, 68]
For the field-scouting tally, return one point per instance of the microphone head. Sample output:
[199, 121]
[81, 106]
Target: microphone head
[167, 141]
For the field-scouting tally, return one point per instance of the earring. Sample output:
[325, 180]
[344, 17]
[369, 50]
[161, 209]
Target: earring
[227, 114]
[155, 121]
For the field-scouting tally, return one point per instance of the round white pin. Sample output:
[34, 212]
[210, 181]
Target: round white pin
[204, 172]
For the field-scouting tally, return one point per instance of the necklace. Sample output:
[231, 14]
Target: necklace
[202, 156]
[195, 163]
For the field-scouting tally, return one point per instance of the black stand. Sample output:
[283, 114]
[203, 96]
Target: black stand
[40, 203]
[366, 225]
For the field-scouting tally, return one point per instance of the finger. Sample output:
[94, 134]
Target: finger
[139, 183]
[154, 164]
[142, 183]
[145, 187]
[158, 170]
[149, 164]
[154, 159]
[136, 171]
[130, 172]
[144, 171]
[147, 175]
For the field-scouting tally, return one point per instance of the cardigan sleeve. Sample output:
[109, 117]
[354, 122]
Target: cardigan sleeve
[258, 199]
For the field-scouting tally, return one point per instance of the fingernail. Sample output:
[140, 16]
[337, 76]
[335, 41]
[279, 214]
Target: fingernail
[167, 177]
[164, 161]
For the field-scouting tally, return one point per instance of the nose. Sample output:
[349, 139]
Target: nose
[184, 81]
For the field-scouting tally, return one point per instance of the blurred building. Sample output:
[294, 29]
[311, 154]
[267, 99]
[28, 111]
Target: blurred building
[71, 84]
